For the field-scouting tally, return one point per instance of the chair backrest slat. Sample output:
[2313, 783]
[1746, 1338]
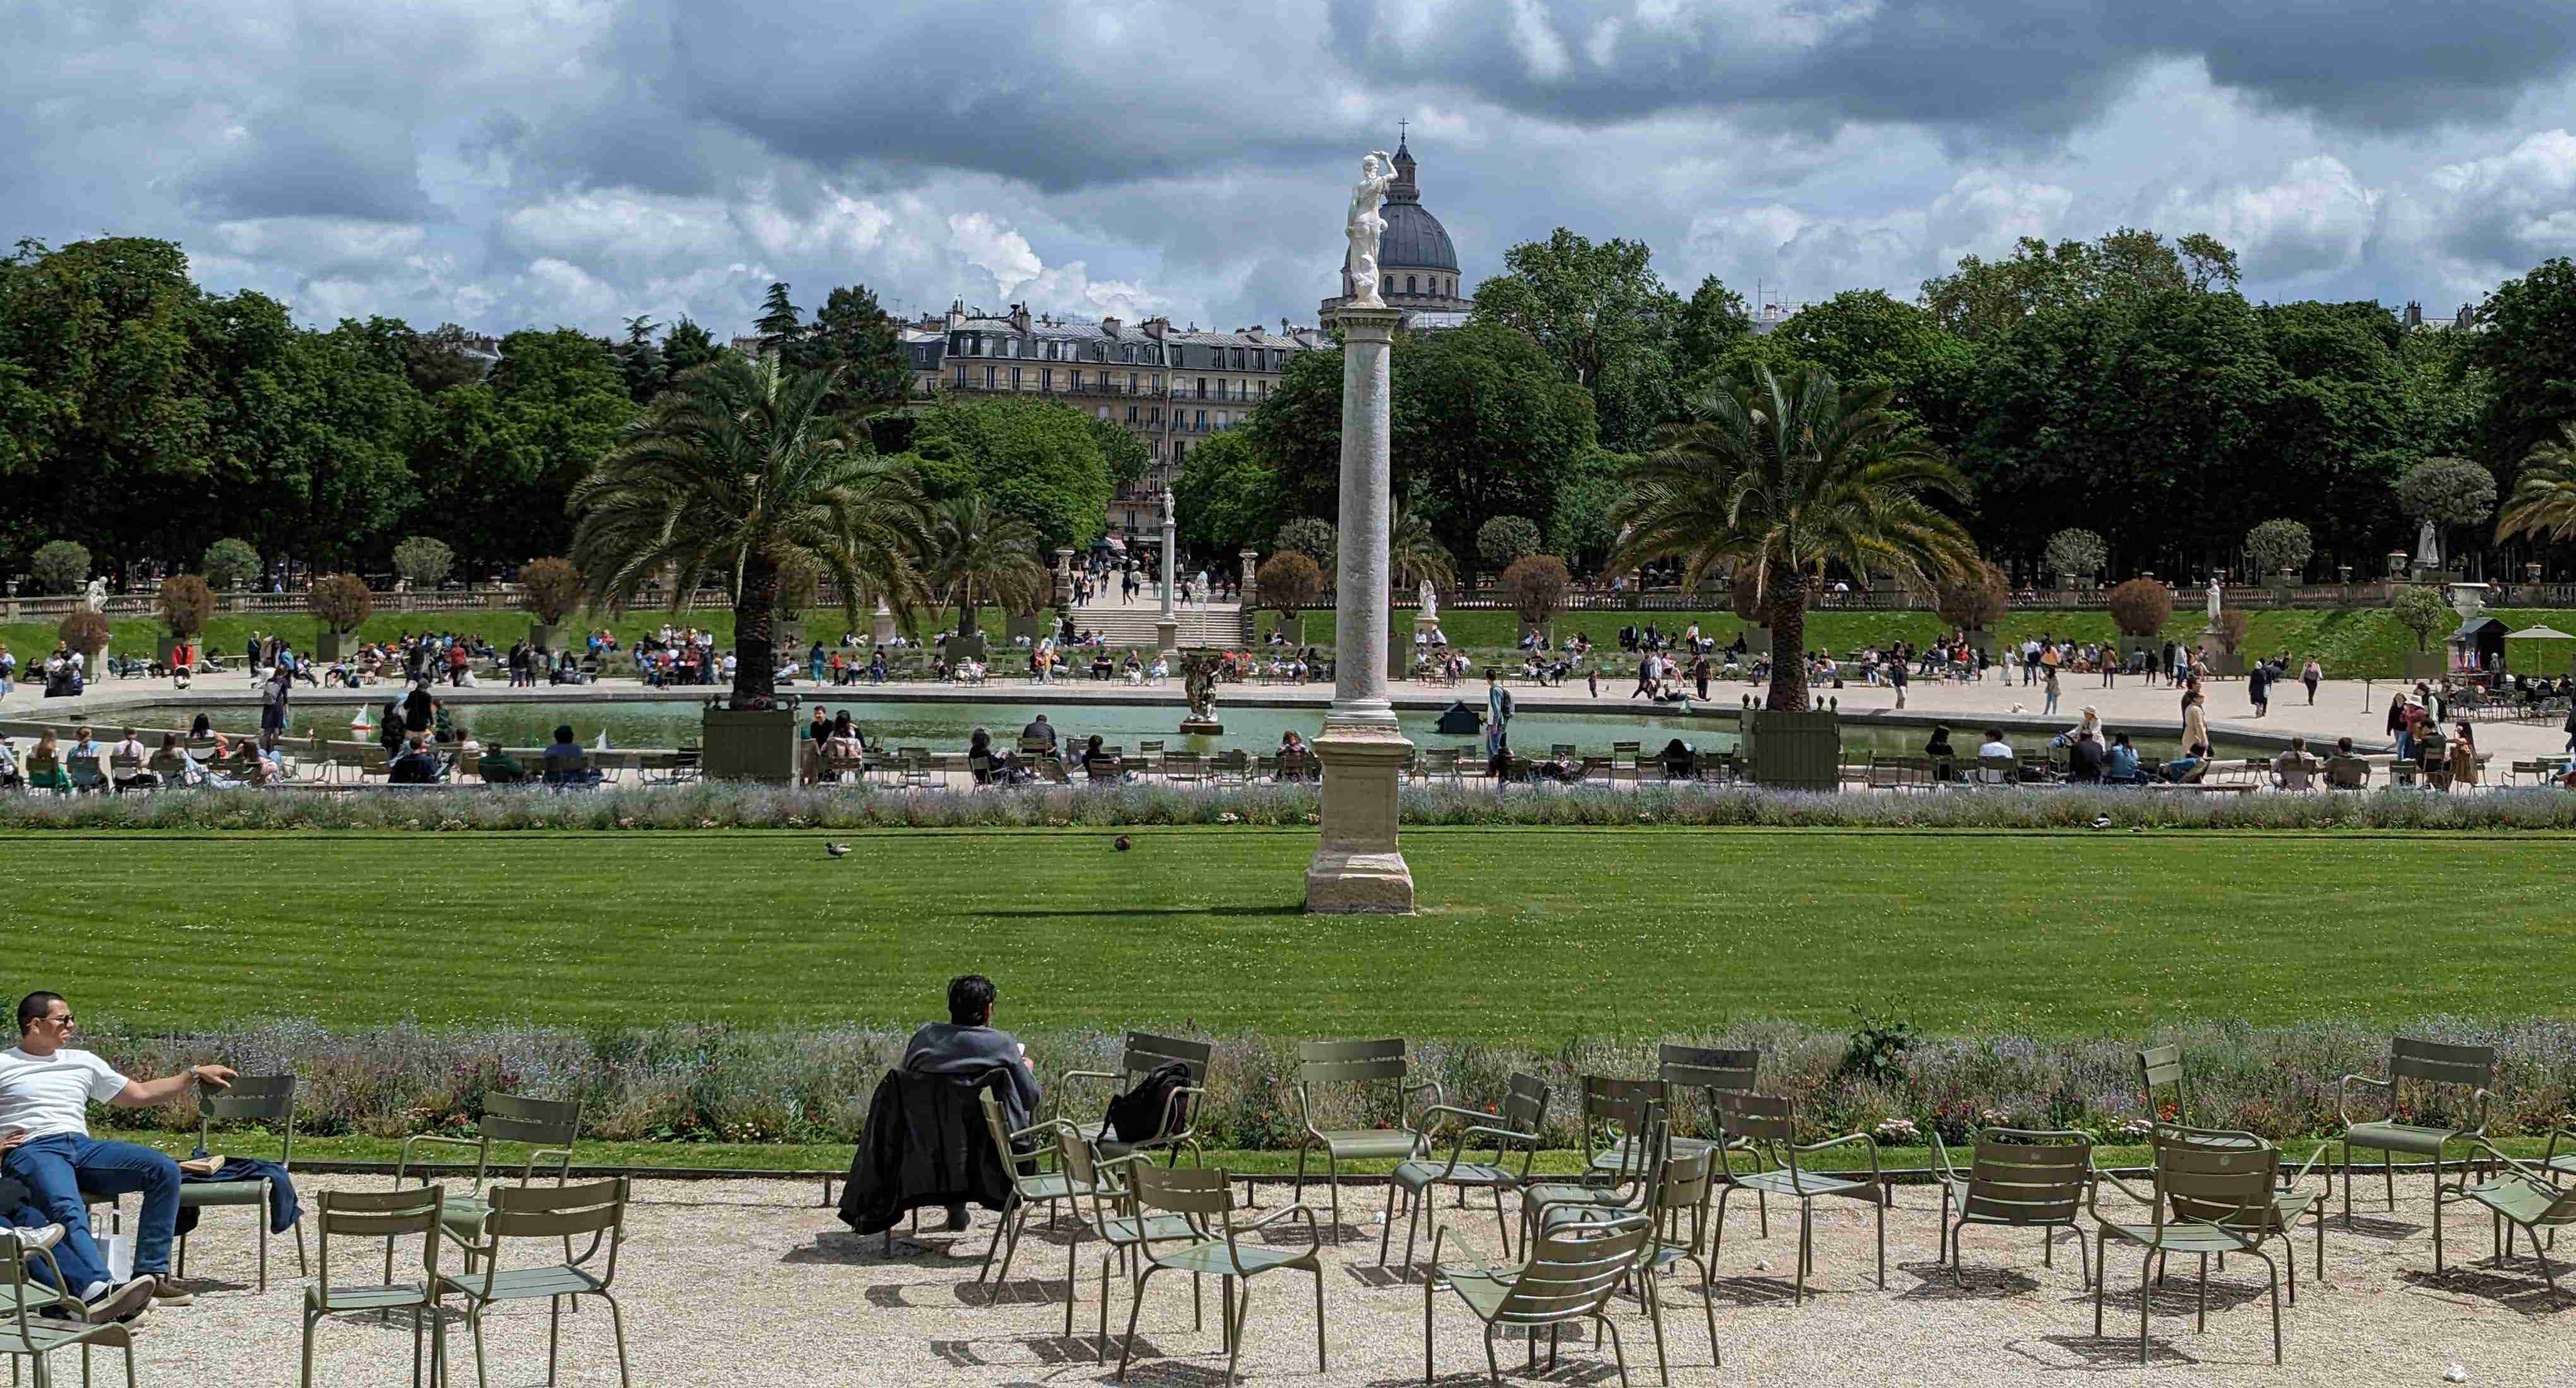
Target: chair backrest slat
[1574, 1273]
[1193, 1191]
[2217, 1178]
[1756, 1117]
[2436, 1062]
[540, 1122]
[1146, 1052]
[2019, 1176]
[251, 1099]
[1524, 1106]
[1705, 1067]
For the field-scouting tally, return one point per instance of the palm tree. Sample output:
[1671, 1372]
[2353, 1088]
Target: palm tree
[737, 475]
[974, 551]
[2544, 499]
[1786, 475]
[1412, 555]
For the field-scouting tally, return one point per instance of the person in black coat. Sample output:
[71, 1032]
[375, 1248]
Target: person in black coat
[968, 1043]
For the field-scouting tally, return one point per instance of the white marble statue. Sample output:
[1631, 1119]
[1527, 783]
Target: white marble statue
[2428, 546]
[96, 598]
[2213, 599]
[1430, 600]
[1366, 226]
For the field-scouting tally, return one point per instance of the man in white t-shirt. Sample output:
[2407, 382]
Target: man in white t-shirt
[46, 1088]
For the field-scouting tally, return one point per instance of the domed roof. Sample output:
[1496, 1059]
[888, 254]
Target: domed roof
[1415, 237]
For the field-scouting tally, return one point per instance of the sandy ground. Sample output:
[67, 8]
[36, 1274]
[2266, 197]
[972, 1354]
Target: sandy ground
[755, 1283]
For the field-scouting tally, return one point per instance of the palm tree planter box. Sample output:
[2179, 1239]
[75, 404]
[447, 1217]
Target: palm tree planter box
[957, 648]
[542, 635]
[1980, 639]
[749, 744]
[2229, 665]
[330, 645]
[1793, 751]
[2424, 665]
[166, 645]
[1757, 640]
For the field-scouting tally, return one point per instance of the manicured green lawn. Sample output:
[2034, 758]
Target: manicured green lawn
[1532, 935]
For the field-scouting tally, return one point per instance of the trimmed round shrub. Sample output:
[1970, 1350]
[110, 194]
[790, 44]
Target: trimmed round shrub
[1504, 539]
[59, 566]
[1536, 585]
[231, 565]
[343, 602]
[187, 603]
[423, 562]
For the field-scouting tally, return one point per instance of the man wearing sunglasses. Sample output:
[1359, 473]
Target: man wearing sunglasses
[46, 1087]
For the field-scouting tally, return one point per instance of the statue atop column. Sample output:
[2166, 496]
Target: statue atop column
[2214, 596]
[95, 598]
[1430, 600]
[1377, 171]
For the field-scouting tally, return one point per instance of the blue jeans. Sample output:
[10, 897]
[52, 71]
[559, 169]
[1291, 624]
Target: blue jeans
[58, 1168]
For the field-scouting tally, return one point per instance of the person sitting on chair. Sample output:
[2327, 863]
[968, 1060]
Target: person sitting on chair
[566, 763]
[415, 767]
[46, 1087]
[968, 1044]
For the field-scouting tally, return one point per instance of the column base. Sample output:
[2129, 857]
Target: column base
[1167, 636]
[1358, 868]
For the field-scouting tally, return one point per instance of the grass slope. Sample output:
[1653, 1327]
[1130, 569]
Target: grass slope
[1530, 935]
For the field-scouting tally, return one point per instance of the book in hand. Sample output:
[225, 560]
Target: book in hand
[202, 1166]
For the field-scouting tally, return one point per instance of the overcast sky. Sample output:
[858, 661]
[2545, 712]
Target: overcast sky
[510, 162]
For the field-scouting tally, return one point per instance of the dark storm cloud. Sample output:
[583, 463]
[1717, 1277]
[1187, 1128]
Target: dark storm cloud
[315, 163]
[1996, 70]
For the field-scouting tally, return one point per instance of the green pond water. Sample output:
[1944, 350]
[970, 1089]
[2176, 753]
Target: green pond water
[946, 726]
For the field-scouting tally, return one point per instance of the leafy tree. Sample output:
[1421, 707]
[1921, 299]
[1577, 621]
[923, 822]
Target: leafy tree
[231, 565]
[685, 348]
[2278, 545]
[2420, 609]
[2076, 553]
[2151, 417]
[2337, 422]
[1226, 498]
[2528, 339]
[1289, 583]
[1602, 315]
[423, 562]
[1984, 299]
[855, 337]
[974, 552]
[1505, 538]
[441, 359]
[2447, 492]
[779, 324]
[2544, 496]
[499, 459]
[342, 602]
[186, 604]
[1483, 427]
[1786, 477]
[733, 475]
[1712, 321]
[639, 360]
[1038, 460]
[1313, 538]
[2230, 629]
[59, 566]
[1972, 598]
[84, 631]
[1536, 585]
[1579, 526]
[1867, 339]
[2140, 607]
[1123, 452]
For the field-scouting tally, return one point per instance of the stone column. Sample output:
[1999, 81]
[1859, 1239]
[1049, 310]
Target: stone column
[1064, 580]
[1249, 596]
[1167, 627]
[1358, 866]
[881, 626]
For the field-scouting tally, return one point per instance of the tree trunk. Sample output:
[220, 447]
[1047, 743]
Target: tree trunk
[966, 610]
[1788, 594]
[755, 670]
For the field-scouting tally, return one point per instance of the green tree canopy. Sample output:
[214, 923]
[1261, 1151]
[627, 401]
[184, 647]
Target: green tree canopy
[1040, 461]
[2526, 347]
[1984, 299]
[851, 334]
[1226, 497]
[1606, 319]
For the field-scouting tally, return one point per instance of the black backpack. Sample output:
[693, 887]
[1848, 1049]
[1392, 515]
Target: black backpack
[1137, 1115]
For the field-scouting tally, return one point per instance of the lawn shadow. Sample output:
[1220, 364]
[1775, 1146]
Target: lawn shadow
[1975, 1283]
[1285, 911]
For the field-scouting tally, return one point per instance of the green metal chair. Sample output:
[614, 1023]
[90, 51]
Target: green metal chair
[1514, 1123]
[2017, 1178]
[1768, 1125]
[36, 1320]
[1614, 1111]
[1031, 1182]
[1676, 1201]
[1633, 1111]
[2162, 1078]
[1144, 1053]
[2439, 1070]
[1204, 1200]
[263, 1099]
[2206, 1199]
[1708, 1070]
[549, 1128]
[593, 1208]
[1360, 1065]
[388, 1215]
[1106, 1210]
[1570, 1276]
[2520, 1196]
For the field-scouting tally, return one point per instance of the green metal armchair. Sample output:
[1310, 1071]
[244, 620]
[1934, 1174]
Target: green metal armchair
[1569, 1278]
[1513, 1125]
[1145, 1052]
[1359, 1065]
[1768, 1126]
[2017, 1178]
[2437, 1070]
[2519, 1196]
[1213, 1246]
[2206, 1199]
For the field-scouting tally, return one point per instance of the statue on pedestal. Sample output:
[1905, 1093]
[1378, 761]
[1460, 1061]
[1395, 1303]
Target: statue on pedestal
[95, 599]
[2214, 596]
[1377, 171]
[1430, 600]
[2428, 547]
[1199, 668]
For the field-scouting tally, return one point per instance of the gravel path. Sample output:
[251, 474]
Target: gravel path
[754, 1283]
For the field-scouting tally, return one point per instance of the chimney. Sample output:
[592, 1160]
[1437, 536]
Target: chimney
[1156, 326]
[1019, 318]
[2414, 314]
[2468, 317]
[1109, 327]
[1253, 332]
[957, 313]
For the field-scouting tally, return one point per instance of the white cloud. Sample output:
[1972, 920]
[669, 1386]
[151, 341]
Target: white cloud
[2316, 219]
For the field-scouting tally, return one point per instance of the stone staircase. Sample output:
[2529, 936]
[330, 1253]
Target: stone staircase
[1132, 626]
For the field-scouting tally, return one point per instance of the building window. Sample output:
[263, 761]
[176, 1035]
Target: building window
[1238, 359]
[1158, 383]
[1199, 424]
[961, 378]
[1408, 284]
[988, 376]
[1015, 378]
[1202, 387]
[1131, 414]
[1131, 383]
[1390, 284]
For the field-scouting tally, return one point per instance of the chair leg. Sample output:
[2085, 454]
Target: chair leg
[2273, 1275]
[306, 1380]
[1240, 1306]
[1618, 1352]
[1072, 1283]
[554, 1336]
[2142, 1308]
[1017, 1220]
[1319, 1318]
[1655, 1317]
[1880, 1206]
[617, 1324]
[2200, 1320]
[1387, 1231]
[1135, 1304]
[1806, 1223]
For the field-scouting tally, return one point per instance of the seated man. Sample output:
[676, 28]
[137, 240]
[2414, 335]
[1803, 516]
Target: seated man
[2087, 759]
[45, 1089]
[968, 1044]
[2188, 768]
[2120, 764]
[566, 763]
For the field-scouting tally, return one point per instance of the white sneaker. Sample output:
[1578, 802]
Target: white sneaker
[122, 1303]
[47, 1237]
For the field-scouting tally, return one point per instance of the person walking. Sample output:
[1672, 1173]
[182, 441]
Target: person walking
[1895, 678]
[2195, 720]
[2258, 687]
[2049, 686]
[2312, 674]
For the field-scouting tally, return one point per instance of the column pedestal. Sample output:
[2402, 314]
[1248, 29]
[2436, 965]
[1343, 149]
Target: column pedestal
[1358, 868]
[1167, 635]
[881, 626]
